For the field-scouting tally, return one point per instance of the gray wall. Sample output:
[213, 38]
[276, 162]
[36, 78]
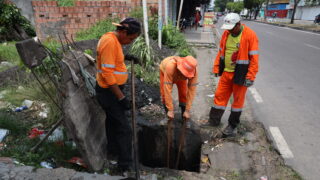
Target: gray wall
[26, 9]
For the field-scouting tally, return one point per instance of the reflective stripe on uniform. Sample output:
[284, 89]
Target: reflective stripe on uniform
[220, 107]
[236, 109]
[242, 61]
[118, 72]
[108, 65]
[253, 52]
[99, 71]
[168, 83]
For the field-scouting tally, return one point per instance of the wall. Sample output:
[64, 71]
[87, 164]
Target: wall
[26, 9]
[307, 13]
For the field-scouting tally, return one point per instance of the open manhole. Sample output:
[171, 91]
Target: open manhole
[153, 147]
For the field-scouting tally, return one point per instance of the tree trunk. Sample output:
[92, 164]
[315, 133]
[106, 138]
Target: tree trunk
[294, 10]
[265, 12]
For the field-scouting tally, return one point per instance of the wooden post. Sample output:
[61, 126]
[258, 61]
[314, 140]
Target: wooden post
[166, 11]
[179, 16]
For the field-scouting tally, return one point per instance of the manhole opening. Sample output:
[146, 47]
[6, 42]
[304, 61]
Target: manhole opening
[153, 147]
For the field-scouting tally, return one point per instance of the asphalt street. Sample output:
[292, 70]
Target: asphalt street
[286, 95]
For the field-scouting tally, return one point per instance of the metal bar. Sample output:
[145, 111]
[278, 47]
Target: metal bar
[181, 143]
[45, 91]
[133, 114]
[34, 148]
[169, 141]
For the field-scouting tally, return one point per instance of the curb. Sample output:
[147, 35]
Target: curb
[282, 25]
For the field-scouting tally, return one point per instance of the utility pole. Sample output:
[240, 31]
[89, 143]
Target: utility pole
[179, 16]
[145, 22]
[159, 23]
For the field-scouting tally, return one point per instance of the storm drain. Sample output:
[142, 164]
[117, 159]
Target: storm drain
[153, 147]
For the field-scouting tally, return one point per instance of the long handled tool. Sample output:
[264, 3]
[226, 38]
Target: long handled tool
[181, 139]
[169, 141]
[133, 114]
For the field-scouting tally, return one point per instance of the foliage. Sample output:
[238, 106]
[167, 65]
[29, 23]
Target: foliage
[96, 31]
[64, 2]
[150, 77]
[175, 39]
[8, 52]
[137, 13]
[235, 7]
[312, 2]
[221, 4]
[10, 18]
[153, 27]
[145, 54]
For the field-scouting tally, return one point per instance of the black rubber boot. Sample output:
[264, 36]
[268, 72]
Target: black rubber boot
[215, 116]
[234, 119]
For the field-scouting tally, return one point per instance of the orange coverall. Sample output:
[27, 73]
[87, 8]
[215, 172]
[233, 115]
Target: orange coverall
[186, 87]
[246, 68]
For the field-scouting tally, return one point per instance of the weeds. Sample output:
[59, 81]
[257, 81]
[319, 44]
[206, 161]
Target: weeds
[150, 77]
[145, 54]
[8, 52]
[96, 31]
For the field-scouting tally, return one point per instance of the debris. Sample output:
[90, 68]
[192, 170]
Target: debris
[27, 103]
[56, 135]
[222, 178]
[263, 178]
[78, 161]
[18, 163]
[46, 165]
[212, 149]
[2, 93]
[113, 162]
[206, 142]
[204, 159]
[211, 95]
[3, 134]
[21, 108]
[35, 132]
[20, 88]
[6, 64]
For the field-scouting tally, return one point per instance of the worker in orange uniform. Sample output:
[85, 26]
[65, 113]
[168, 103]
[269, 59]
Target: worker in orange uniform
[111, 76]
[181, 71]
[237, 64]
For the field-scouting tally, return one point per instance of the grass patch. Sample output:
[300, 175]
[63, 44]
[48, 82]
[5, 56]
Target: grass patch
[150, 77]
[8, 52]
[96, 31]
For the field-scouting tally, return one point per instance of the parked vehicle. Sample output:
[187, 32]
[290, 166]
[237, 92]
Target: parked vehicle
[317, 19]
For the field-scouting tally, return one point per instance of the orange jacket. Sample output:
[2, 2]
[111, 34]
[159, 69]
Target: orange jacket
[247, 62]
[110, 62]
[169, 68]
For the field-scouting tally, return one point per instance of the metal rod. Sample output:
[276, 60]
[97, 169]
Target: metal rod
[181, 139]
[45, 91]
[34, 148]
[133, 114]
[169, 141]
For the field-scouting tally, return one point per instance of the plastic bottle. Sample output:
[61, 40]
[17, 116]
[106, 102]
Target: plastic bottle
[21, 108]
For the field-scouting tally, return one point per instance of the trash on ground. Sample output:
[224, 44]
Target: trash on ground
[204, 159]
[27, 103]
[18, 163]
[6, 64]
[113, 162]
[20, 88]
[56, 135]
[222, 178]
[21, 108]
[46, 165]
[2, 93]
[44, 112]
[78, 161]
[3, 134]
[35, 132]
[211, 95]
[263, 178]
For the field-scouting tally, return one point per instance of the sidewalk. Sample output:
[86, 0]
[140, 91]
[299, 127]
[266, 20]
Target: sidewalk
[200, 37]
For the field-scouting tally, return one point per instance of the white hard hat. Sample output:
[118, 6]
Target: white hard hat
[230, 21]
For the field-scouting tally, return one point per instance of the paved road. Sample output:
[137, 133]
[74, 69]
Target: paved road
[287, 94]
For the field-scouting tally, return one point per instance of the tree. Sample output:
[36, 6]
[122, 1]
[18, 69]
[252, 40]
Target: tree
[312, 2]
[235, 7]
[221, 4]
[296, 2]
[253, 6]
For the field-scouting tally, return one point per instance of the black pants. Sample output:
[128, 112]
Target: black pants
[118, 127]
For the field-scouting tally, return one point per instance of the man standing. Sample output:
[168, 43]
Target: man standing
[181, 71]
[237, 64]
[111, 76]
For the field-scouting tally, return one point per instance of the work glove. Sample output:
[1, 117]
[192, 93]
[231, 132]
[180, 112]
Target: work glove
[133, 58]
[248, 83]
[125, 103]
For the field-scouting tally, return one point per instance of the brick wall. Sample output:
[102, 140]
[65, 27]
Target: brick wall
[50, 20]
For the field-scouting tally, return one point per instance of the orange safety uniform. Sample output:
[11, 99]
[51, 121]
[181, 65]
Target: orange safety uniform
[110, 65]
[169, 75]
[246, 68]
